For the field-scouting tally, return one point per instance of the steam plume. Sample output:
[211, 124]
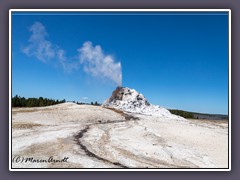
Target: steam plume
[98, 64]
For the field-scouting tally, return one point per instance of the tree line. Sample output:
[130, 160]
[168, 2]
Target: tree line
[92, 103]
[184, 114]
[18, 101]
[195, 115]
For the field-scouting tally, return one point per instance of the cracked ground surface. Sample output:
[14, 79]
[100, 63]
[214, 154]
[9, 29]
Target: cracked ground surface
[96, 137]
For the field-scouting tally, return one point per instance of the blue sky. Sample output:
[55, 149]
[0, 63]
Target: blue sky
[177, 60]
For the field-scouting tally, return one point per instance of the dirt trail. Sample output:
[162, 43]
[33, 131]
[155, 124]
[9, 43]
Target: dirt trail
[80, 135]
[91, 154]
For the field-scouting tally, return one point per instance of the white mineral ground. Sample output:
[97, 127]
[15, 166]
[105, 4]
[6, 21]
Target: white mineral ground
[97, 137]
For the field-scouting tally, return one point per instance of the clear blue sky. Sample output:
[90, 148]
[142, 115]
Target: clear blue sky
[177, 60]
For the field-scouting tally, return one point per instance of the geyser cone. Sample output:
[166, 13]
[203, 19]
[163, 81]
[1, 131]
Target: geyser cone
[130, 100]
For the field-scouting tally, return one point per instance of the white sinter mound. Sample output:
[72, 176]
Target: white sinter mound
[132, 101]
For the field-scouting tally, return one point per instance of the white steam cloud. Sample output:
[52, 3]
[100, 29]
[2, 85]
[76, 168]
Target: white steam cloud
[93, 59]
[98, 64]
[45, 50]
[38, 46]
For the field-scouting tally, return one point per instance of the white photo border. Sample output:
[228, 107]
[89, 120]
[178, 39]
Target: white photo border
[114, 11]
